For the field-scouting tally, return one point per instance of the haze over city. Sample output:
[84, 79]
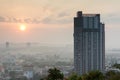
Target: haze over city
[59, 39]
[51, 21]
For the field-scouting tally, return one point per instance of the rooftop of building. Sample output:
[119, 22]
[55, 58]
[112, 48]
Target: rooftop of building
[90, 15]
[79, 13]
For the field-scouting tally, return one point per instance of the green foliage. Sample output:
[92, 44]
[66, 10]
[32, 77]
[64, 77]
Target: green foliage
[55, 74]
[85, 77]
[42, 79]
[112, 75]
[79, 78]
[115, 77]
[116, 66]
[73, 77]
[95, 75]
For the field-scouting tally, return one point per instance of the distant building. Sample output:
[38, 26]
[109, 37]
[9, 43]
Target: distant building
[28, 72]
[7, 44]
[89, 43]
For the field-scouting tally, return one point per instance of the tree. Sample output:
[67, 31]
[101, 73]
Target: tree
[85, 77]
[96, 75]
[93, 75]
[116, 66]
[55, 74]
[112, 75]
[73, 77]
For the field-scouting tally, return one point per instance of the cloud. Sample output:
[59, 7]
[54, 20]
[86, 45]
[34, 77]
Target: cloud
[60, 18]
[9, 19]
[19, 20]
[48, 20]
[32, 20]
[63, 14]
[28, 20]
[2, 19]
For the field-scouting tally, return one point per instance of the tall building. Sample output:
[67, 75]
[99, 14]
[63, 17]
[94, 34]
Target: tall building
[89, 43]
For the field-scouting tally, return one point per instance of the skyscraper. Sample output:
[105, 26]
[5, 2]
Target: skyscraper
[89, 43]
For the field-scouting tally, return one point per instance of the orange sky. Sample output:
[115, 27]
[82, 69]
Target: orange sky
[51, 21]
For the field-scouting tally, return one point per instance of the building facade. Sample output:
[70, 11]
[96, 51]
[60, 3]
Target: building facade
[89, 43]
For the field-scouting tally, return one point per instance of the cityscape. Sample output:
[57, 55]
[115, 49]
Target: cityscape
[52, 40]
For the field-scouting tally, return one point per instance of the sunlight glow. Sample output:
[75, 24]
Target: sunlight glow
[22, 27]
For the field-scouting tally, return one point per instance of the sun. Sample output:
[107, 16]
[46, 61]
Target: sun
[22, 27]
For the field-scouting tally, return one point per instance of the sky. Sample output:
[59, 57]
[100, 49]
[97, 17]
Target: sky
[51, 21]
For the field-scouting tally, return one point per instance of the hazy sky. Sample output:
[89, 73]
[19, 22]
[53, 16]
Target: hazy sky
[51, 21]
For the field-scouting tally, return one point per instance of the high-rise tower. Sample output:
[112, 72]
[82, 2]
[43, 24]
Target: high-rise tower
[89, 43]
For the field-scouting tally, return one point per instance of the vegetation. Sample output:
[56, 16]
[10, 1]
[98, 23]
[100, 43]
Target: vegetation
[56, 74]
[116, 66]
[93, 75]
[112, 75]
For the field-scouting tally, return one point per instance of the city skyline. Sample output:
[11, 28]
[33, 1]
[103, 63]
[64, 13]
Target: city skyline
[51, 21]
